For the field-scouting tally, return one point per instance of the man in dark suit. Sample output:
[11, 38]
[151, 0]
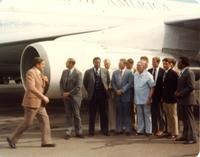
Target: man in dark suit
[170, 79]
[96, 82]
[185, 97]
[70, 86]
[157, 112]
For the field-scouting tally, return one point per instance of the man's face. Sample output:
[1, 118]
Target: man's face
[155, 63]
[69, 65]
[121, 65]
[107, 64]
[129, 65]
[97, 63]
[180, 65]
[140, 67]
[166, 65]
[41, 66]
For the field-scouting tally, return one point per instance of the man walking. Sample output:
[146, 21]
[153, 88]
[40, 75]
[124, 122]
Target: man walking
[70, 86]
[34, 102]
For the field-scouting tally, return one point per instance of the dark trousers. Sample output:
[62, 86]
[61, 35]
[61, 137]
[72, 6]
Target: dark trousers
[98, 104]
[158, 116]
[186, 115]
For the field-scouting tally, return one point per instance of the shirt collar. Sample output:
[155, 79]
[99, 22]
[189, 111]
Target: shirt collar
[38, 71]
[182, 71]
[72, 70]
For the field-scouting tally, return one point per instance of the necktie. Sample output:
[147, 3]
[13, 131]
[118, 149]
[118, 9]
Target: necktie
[154, 74]
[164, 76]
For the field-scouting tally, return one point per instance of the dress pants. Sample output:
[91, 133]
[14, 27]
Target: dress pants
[72, 111]
[29, 115]
[98, 103]
[170, 110]
[158, 116]
[111, 112]
[123, 117]
[187, 116]
[144, 119]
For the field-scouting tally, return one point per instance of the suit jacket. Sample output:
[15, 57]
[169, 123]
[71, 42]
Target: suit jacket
[72, 83]
[186, 85]
[170, 86]
[34, 89]
[125, 84]
[157, 95]
[89, 81]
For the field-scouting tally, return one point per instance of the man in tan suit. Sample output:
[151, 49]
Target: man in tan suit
[34, 102]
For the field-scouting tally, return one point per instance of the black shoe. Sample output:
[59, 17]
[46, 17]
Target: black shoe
[118, 133]
[91, 134]
[148, 134]
[106, 134]
[48, 145]
[67, 137]
[128, 134]
[180, 139]
[139, 134]
[12, 145]
[190, 142]
[79, 136]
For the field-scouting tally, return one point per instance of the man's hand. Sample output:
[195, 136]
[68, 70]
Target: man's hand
[119, 92]
[46, 100]
[177, 94]
[45, 78]
[149, 101]
[66, 95]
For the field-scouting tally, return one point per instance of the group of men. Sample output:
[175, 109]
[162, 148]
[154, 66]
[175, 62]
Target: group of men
[126, 100]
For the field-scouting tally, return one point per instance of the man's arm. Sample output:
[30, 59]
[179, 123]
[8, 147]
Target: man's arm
[30, 85]
[61, 83]
[190, 85]
[128, 85]
[78, 84]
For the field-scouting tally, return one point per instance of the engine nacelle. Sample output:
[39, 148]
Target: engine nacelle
[56, 54]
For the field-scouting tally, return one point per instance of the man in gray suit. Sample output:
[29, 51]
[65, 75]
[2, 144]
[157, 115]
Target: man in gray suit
[96, 82]
[185, 97]
[121, 84]
[70, 86]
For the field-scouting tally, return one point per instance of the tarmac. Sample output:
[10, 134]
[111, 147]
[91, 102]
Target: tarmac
[11, 114]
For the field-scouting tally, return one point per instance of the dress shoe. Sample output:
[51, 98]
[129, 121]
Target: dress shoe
[190, 142]
[128, 134]
[48, 145]
[79, 136]
[91, 134]
[12, 145]
[139, 134]
[67, 137]
[106, 134]
[118, 133]
[148, 134]
[180, 139]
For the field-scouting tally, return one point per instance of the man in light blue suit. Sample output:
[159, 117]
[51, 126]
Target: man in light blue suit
[121, 84]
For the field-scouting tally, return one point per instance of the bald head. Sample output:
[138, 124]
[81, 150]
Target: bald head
[141, 66]
[107, 63]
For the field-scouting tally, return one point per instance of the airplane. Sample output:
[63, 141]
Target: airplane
[83, 29]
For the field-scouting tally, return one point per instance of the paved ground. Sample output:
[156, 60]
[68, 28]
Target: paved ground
[99, 146]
